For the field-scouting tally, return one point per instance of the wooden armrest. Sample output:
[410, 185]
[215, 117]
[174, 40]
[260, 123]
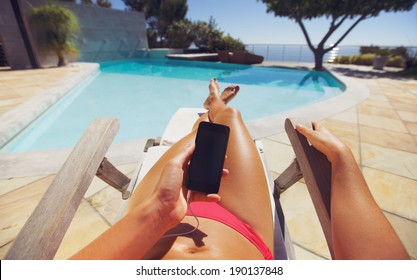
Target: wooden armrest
[112, 176]
[316, 170]
[289, 177]
[42, 234]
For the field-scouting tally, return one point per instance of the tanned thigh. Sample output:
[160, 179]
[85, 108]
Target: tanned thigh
[245, 191]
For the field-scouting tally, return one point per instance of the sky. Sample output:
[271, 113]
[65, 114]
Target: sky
[248, 21]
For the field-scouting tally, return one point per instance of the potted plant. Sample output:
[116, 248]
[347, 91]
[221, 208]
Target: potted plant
[55, 26]
[381, 58]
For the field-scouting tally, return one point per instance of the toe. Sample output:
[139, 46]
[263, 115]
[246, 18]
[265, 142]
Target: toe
[214, 85]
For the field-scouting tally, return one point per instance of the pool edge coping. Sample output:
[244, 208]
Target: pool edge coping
[17, 119]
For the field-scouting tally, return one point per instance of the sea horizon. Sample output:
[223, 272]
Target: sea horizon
[302, 53]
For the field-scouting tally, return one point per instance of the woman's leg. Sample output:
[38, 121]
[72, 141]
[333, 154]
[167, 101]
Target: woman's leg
[245, 191]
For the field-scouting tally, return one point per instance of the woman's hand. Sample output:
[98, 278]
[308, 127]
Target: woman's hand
[323, 140]
[170, 192]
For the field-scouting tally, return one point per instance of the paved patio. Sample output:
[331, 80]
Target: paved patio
[382, 132]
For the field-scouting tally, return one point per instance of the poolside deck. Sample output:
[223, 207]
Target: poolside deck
[382, 132]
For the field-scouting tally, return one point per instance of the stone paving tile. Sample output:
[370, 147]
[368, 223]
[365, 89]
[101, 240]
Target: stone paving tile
[398, 93]
[96, 186]
[8, 185]
[404, 104]
[27, 83]
[108, 202]
[281, 138]
[393, 193]
[348, 116]
[379, 101]
[85, 227]
[406, 231]
[304, 254]
[9, 99]
[302, 221]
[279, 156]
[20, 196]
[369, 108]
[408, 116]
[16, 207]
[7, 93]
[412, 127]
[11, 102]
[387, 138]
[28, 91]
[389, 160]
[382, 122]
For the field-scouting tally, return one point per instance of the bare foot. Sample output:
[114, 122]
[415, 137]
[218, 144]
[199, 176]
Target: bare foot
[214, 89]
[228, 93]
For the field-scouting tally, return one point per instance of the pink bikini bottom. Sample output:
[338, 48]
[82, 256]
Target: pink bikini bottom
[214, 211]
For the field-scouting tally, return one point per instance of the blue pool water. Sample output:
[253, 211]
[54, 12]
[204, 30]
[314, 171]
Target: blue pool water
[144, 94]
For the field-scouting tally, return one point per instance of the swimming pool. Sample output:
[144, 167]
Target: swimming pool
[144, 94]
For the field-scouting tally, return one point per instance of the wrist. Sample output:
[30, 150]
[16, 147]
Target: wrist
[341, 153]
[155, 219]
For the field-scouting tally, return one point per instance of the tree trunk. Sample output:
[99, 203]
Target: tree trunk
[318, 59]
[61, 58]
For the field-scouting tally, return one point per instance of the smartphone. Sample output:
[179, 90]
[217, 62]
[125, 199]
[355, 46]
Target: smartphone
[206, 164]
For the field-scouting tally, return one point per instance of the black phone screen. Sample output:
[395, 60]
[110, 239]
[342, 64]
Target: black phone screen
[206, 164]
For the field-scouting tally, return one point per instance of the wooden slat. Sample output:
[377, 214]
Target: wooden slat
[289, 177]
[42, 234]
[112, 176]
[316, 170]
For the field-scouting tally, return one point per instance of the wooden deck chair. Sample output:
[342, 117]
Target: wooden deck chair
[316, 170]
[43, 232]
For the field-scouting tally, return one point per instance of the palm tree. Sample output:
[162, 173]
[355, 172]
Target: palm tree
[56, 26]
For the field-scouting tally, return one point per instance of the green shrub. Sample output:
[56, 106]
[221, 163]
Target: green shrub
[208, 38]
[229, 43]
[354, 59]
[396, 61]
[206, 35]
[383, 51]
[344, 59]
[398, 57]
[364, 59]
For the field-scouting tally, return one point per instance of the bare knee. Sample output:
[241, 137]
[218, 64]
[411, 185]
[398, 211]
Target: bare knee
[229, 113]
